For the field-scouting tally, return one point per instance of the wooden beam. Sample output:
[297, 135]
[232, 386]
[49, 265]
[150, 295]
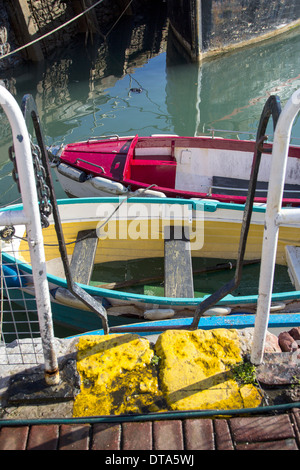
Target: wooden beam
[178, 263]
[25, 29]
[87, 23]
[83, 257]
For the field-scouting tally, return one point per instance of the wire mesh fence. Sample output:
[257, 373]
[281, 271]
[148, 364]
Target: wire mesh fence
[19, 325]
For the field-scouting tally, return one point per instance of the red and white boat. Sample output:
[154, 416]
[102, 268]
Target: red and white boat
[186, 167]
[172, 166]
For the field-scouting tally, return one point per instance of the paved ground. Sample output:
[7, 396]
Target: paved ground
[266, 432]
[28, 404]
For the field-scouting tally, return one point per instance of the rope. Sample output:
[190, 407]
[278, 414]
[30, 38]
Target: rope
[102, 225]
[164, 415]
[130, 2]
[53, 31]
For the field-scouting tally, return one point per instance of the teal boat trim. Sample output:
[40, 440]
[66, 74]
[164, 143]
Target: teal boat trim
[202, 204]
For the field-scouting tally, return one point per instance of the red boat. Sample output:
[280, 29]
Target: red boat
[173, 166]
[186, 167]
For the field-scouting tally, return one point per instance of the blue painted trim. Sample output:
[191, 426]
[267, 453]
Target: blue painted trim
[241, 321]
[12, 277]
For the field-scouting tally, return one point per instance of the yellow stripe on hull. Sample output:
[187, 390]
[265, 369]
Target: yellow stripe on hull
[221, 240]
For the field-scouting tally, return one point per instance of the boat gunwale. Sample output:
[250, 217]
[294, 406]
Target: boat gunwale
[207, 205]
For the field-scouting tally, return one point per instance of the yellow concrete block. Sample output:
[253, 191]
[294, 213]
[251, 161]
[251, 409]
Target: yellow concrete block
[119, 373]
[195, 369]
[251, 396]
[117, 376]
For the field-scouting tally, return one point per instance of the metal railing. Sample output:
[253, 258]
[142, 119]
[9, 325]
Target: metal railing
[29, 216]
[275, 216]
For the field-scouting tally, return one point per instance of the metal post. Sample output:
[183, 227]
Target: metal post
[273, 219]
[22, 150]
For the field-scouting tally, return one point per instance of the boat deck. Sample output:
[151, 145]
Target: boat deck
[259, 432]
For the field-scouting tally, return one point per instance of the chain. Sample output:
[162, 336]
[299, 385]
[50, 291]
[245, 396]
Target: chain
[11, 154]
[43, 191]
[42, 188]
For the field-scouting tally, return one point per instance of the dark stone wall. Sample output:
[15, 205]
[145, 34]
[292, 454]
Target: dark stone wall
[7, 39]
[181, 20]
[225, 23]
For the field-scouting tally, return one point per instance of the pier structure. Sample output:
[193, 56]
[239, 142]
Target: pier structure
[201, 28]
[205, 28]
[32, 29]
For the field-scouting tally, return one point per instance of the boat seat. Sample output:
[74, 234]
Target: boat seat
[293, 262]
[239, 187]
[178, 263]
[160, 173]
[82, 262]
[152, 161]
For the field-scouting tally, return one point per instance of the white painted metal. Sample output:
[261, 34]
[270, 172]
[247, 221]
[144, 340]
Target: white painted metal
[31, 216]
[11, 217]
[275, 216]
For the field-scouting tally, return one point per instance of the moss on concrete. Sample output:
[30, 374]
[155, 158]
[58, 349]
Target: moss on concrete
[121, 373]
[196, 373]
[117, 376]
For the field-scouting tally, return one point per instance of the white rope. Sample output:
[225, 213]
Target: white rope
[51, 32]
[130, 2]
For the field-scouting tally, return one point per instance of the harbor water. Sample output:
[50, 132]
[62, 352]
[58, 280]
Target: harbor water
[82, 93]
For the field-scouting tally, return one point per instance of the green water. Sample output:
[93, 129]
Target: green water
[79, 96]
[213, 274]
[78, 99]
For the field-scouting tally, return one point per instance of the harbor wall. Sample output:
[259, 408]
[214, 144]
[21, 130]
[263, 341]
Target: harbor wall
[208, 27]
[23, 21]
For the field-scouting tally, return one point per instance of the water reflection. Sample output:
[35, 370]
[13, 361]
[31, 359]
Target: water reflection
[229, 92]
[87, 91]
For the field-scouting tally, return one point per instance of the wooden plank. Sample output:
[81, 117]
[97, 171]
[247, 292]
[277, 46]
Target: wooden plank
[198, 434]
[222, 435]
[293, 262]
[25, 29]
[178, 263]
[270, 429]
[82, 262]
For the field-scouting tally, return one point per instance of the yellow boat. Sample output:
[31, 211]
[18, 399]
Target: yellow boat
[151, 258]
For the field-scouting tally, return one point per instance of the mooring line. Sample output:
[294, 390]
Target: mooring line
[51, 32]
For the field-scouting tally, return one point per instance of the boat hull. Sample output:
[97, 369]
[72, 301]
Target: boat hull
[170, 166]
[133, 236]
